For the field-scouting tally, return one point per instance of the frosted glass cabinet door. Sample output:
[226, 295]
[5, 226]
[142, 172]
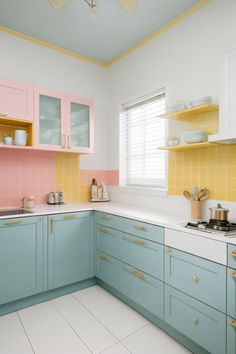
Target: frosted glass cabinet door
[80, 125]
[50, 120]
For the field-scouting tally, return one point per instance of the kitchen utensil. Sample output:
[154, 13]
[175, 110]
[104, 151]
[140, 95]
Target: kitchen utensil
[201, 193]
[194, 192]
[195, 209]
[196, 136]
[28, 202]
[219, 213]
[8, 140]
[20, 137]
[187, 195]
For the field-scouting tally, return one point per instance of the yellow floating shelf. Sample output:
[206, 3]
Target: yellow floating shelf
[187, 146]
[186, 113]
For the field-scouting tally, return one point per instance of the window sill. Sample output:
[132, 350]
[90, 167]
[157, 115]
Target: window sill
[143, 191]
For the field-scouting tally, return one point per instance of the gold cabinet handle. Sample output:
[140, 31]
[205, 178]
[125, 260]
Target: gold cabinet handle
[139, 228]
[71, 217]
[232, 323]
[195, 278]
[194, 321]
[52, 225]
[139, 242]
[232, 274]
[105, 230]
[16, 222]
[63, 141]
[68, 141]
[105, 217]
[105, 258]
[135, 273]
[233, 254]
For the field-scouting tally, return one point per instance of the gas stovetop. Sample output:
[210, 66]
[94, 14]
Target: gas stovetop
[223, 228]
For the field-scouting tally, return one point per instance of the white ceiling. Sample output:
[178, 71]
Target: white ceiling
[103, 37]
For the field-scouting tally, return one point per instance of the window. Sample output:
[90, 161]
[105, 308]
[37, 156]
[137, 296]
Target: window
[141, 132]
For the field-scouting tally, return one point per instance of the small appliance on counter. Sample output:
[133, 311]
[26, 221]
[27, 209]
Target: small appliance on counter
[28, 202]
[56, 198]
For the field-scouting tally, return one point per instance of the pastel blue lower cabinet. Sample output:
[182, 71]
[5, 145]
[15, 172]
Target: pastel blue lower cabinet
[108, 240]
[107, 269]
[198, 277]
[21, 258]
[70, 248]
[143, 254]
[231, 292]
[231, 336]
[232, 256]
[143, 289]
[199, 322]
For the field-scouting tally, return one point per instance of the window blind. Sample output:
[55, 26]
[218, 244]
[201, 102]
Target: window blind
[141, 132]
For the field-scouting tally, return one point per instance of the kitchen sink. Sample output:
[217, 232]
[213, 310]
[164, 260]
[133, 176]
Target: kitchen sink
[5, 212]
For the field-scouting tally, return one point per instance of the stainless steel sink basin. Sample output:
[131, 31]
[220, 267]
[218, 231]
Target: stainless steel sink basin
[14, 212]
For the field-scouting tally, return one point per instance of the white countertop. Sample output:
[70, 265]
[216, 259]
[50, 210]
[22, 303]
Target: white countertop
[170, 220]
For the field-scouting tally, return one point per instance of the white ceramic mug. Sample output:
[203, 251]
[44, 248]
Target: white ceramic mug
[20, 137]
[8, 140]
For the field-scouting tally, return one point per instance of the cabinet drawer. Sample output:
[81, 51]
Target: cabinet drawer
[232, 256]
[201, 323]
[143, 254]
[231, 336]
[108, 240]
[107, 220]
[141, 229]
[108, 269]
[202, 279]
[231, 292]
[143, 289]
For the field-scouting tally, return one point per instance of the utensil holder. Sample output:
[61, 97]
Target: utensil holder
[195, 210]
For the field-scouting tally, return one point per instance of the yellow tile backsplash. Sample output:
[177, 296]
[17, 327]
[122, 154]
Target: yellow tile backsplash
[214, 168]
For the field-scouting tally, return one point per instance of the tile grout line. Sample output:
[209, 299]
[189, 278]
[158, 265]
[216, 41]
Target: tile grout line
[137, 330]
[118, 339]
[113, 345]
[51, 301]
[27, 336]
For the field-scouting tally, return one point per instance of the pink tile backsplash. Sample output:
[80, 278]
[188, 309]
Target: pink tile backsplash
[26, 173]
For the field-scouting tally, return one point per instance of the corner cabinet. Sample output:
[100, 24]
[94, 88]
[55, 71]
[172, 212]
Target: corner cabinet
[62, 122]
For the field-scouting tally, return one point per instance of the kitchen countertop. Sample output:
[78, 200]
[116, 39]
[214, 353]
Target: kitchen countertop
[170, 220]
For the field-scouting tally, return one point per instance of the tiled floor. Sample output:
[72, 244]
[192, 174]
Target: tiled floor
[88, 321]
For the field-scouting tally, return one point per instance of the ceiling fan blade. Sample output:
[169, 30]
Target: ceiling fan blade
[58, 4]
[128, 5]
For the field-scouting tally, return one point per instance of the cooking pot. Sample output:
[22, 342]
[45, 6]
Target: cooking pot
[219, 213]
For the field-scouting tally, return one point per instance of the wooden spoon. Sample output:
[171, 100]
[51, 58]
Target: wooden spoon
[187, 195]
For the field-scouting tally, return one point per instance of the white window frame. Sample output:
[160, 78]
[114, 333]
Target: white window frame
[145, 189]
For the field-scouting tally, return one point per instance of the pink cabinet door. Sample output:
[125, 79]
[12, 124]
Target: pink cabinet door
[50, 120]
[16, 100]
[80, 125]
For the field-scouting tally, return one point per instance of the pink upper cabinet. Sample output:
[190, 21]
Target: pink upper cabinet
[16, 100]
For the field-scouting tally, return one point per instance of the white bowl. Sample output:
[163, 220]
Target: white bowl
[200, 101]
[196, 136]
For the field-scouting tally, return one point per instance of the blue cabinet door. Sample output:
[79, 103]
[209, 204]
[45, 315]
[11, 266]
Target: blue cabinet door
[70, 248]
[231, 336]
[107, 240]
[21, 258]
[107, 269]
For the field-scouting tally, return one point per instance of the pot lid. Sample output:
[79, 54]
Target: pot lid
[219, 208]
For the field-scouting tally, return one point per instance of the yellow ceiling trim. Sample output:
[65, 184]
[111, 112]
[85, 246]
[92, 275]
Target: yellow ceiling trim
[150, 37]
[164, 28]
[52, 46]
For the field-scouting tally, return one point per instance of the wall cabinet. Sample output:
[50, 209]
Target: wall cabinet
[63, 122]
[16, 100]
[70, 248]
[21, 258]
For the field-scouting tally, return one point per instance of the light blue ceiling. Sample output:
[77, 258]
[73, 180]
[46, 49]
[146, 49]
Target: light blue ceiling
[102, 37]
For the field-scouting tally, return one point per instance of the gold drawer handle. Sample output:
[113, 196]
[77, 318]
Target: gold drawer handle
[139, 242]
[232, 323]
[195, 321]
[139, 228]
[105, 230]
[105, 217]
[71, 217]
[138, 275]
[17, 222]
[195, 278]
[104, 258]
[233, 254]
[232, 274]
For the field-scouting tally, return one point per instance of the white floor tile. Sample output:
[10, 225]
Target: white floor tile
[13, 339]
[119, 318]
[49, 332]
[152, 340]
[116, 349]
[92, 332]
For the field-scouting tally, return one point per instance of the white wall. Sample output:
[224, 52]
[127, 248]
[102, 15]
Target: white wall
[186, 60]
[24, 61]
